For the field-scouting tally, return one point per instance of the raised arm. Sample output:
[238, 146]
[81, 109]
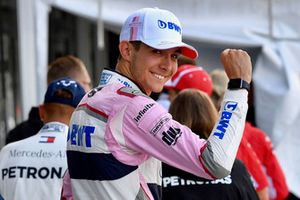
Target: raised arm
[223, 143]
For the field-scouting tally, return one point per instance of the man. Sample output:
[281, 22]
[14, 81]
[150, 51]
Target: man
[69, 66]
[164, 98]
[33, 168]
[117, 127]
[66, 66]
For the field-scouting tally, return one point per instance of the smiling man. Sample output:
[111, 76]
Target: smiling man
[117, 133]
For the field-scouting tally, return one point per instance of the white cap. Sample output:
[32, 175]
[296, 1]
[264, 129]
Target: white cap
[157, 28]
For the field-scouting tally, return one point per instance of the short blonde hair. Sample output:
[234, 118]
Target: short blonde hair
[66, 66]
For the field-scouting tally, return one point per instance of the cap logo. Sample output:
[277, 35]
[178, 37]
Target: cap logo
[169, 25]
[67, 83]
[64, 91]
[134, 28]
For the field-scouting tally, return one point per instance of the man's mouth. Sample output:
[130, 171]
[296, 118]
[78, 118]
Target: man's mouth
[160, 77]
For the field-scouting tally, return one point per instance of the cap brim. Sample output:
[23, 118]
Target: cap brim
[186, 49]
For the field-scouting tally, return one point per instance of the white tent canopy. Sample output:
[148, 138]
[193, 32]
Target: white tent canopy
[270, 24]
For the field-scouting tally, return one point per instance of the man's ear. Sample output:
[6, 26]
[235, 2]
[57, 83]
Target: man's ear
[42, 112]
[125, 50]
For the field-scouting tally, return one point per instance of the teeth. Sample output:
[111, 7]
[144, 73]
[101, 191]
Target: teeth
[160, 77]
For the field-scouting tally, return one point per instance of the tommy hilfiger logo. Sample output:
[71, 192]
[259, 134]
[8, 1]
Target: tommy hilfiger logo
[46, 139]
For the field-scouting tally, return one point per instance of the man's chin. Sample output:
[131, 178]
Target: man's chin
[158, 89]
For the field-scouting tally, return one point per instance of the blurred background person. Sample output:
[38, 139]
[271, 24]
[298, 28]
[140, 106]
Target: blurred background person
[66, 66]
[33, 168]
[187, 76]
[163, 97]
[195, 109]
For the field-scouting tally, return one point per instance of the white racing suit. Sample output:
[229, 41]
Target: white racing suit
[33, 168]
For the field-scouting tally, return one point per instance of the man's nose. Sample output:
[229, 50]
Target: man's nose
[167, 63]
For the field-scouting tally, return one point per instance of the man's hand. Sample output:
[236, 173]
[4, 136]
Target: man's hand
[237, 64]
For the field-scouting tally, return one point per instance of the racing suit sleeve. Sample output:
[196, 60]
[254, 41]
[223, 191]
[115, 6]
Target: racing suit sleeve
[223, 142]
[66, 193]
[149, 128]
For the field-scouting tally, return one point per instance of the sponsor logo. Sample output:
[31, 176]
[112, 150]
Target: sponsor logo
[226, 115]
[171, 136]
[124, 82]
[142, 112]
[105, 77]
[81, 135]
[37, 154]
[94, 91]
[32, 172]
[53, 128]
[172, 181]
[46, 139]
[169, 25]
[159, 125]
[66, 82]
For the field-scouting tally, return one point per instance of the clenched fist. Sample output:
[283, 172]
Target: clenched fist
[237, 64]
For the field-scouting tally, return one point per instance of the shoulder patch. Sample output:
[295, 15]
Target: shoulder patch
[130, 92]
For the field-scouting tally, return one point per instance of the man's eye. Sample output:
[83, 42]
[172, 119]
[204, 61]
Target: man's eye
[175, 56]
[156, 51]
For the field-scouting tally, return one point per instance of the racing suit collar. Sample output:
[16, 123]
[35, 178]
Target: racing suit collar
[54, 126]
[109, 76]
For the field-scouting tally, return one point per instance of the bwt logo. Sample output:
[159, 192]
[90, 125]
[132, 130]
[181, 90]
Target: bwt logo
[230, 106]
[81, 135]
[125, 83]
[226, 115]
[169, 25]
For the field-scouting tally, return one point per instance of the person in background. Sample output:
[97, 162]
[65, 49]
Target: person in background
[66, 66]
[195, 109]
[69, 66]
[219, 82]
[33, 168]
[183, 60]
[189, 76]
[259, 142]
[163, 97]
[122, 127]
